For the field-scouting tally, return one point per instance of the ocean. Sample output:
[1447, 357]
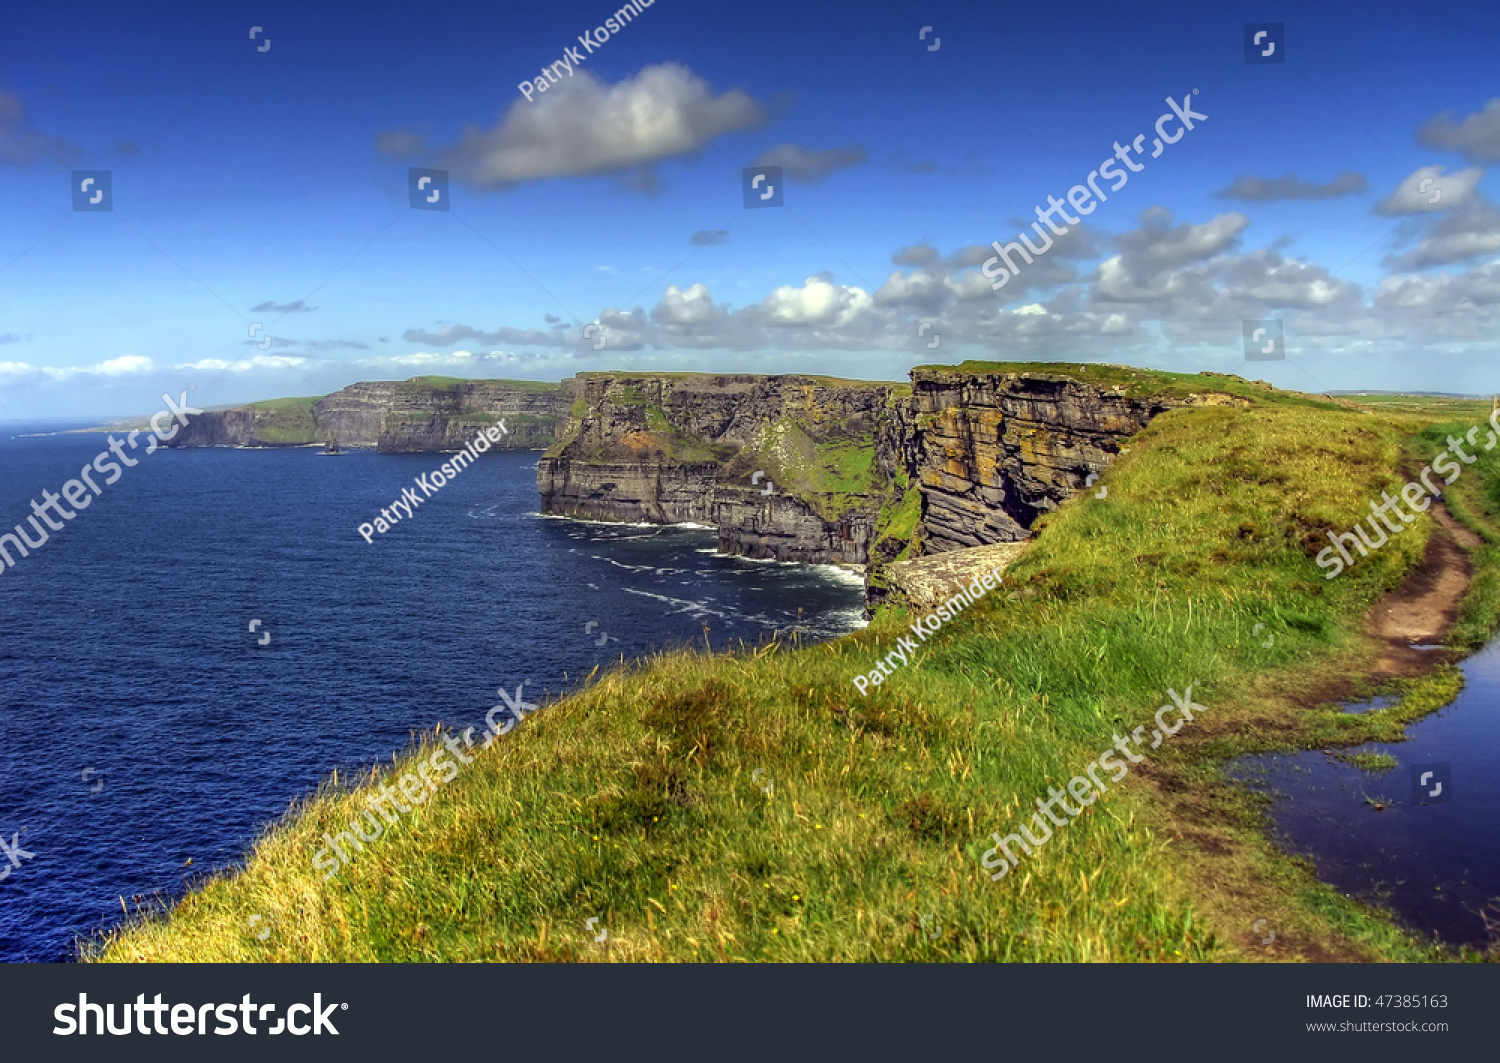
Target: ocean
[212, 637]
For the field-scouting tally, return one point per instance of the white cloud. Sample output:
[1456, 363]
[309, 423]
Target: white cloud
[1455, 236]
[585, 126]
[245, 365]
[692, 307]
[817, 303]
[1429, 189]
[126, 365]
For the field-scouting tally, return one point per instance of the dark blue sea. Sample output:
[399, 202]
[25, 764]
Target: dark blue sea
[144, 725]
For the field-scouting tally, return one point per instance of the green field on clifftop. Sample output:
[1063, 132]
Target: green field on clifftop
[286, 420]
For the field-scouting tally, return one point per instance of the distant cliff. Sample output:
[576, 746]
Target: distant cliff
[422, 414]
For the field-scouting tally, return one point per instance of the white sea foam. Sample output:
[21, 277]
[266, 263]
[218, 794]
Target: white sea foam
[850, 577]
[686, 524]
[606, 523]
[694, 609]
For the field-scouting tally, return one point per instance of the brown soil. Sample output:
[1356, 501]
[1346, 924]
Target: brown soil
[1425, 606]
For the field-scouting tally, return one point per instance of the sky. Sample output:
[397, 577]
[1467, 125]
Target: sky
[262, 241]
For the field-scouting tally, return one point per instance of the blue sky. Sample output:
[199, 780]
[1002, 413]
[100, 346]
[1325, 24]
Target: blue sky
[271, 187]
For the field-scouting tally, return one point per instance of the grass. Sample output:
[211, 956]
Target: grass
[833, 474]
[286, 420]
[640, 799]
[1368, 761]
[1140, 383]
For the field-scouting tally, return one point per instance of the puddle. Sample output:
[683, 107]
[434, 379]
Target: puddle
[1431, 853]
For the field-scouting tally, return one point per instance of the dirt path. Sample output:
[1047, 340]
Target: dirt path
[1425, 606]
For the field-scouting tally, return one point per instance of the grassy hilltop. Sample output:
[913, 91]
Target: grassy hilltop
[641, 800]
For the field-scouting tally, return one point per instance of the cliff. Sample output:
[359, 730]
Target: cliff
[860, 473]
[674, 447]
[422, 414]
[992, 451]
[793, 468]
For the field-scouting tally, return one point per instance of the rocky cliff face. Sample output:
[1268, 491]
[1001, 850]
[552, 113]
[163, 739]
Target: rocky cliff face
[860, 473]
[422, 414]
[355, 415]
[688, 447]
[218, 428]
[992, 452]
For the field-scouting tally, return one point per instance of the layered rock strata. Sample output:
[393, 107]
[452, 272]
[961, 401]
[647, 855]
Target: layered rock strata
[783, 466]
[992, 452]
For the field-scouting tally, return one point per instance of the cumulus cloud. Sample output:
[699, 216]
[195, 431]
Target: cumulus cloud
[1262, 189]
[804, 166]
[1428, 189]
[1475, 291]
[270, 307]
[692, 307]
[585, 126]
[1454, 237]
[1267, 278]
[690, 318]
[1477, 136]
[1157, 248]
[916, 255]
[708, 237]
[819, 302]
[245, 365]
[921, 290]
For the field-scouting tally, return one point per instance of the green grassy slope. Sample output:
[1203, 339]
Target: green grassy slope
[286, 420]
[755, 807]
